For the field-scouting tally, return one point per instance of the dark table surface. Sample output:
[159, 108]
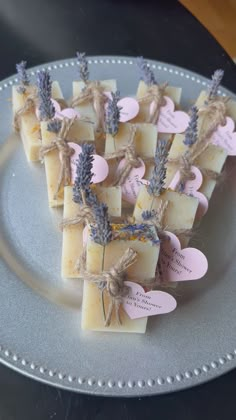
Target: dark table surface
[41, 31]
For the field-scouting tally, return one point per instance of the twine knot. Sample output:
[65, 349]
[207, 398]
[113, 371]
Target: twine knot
[29, 105]
[65, 152]
[85, 215]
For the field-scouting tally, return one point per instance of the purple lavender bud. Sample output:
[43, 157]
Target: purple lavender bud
[157, 180]
[83, 172]
[191, 133]
[83, 66]
[22, 76]
[215, 83]
[46, 108]
[113, 114]
[101, 231]
[54, 126]
[146, 74]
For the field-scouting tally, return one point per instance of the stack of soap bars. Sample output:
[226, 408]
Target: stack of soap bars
[107, 238]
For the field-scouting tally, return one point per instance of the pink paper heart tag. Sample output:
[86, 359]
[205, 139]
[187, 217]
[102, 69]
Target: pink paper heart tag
[171, 121]
[191, 188]
[225, 137]
[129, 107]
[100, 167]
[138, 304]
[176, 264]
[131, 186]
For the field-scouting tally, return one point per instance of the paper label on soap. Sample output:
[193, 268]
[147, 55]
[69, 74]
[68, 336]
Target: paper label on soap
[129, 107]
[66, 113]
[131, 186]
[138, 304]
[225, 137]
[176, 264]
[100, 168]
[171, 121]
[191, 188]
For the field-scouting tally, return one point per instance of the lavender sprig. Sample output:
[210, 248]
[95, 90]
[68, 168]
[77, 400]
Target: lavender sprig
[148, 214]
[101, 231]
[83, 66]
[113, 114]
[191, 133]
[54, 126]
[46, 108]
[215, 83]
[23, 77]
[146, 74]
[157, 180]
[83, 172]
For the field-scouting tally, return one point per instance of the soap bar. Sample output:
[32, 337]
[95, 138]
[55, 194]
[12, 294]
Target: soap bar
[72, 242]
[179, 214]
[173, 92]
[230, 105]
[80, 131]
[213, 158]
[101, 258]
[86, 108]
[145, 139]
[29, 124]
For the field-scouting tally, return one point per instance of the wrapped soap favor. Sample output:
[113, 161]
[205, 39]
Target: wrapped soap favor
[25, 102]
[89, 96]
[151, 93]
[79, 202]
[60, 137]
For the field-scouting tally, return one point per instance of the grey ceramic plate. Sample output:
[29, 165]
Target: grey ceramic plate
[40, 333]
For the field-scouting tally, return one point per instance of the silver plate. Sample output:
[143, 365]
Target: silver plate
[40, 333]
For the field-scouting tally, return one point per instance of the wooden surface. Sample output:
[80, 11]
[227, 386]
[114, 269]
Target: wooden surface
[219, 17]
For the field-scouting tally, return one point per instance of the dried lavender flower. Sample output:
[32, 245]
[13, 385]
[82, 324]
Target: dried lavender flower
[23, 77]
[215, 83]
[54, 126]
[113, 114]
[146, 74]
[191, 133]
[83, 172]
[157, 180]
[101, 231]
[148, 214]
[46, 108]
[83, 66]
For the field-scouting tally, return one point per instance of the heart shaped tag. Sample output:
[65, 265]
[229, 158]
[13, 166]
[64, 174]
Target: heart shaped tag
[176, 264]
[100, 167]
[66, 113]
[225, 137]
[171, 121]
[129, 107]
[133, 181]
[138, 304]
[191, 188]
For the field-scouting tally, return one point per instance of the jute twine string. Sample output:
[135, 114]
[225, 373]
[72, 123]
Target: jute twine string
[29, 106]
[155, 95]
[129, 154]
[94, 92]
[65, 152]
[84, 215]
[215, 111]
[113, 281]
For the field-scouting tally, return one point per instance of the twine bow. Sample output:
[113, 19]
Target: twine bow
[65, 152]
[85, 215]
[215, 111]
[94, 92]
[113, 282]
[128, 153]
[29, 106]
[155, 95]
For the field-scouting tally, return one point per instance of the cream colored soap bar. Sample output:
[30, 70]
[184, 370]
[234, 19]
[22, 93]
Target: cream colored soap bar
[79, 132]
[213, 158]
[145, 139]
[101, 258]
[86, 109]
[29, 124]
[180, 212]
[72, 242]
[230, 105]
[173, 92]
